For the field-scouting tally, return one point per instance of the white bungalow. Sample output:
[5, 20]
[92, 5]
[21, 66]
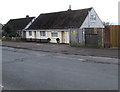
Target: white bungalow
[63, 25]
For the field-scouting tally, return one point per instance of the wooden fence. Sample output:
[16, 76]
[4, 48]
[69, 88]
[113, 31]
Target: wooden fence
[114, 35]
[107, 37]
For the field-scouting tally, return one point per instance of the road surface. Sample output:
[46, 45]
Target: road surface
[35, 70]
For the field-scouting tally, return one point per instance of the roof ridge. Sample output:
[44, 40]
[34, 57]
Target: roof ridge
[22, 18]
[19, 23]
[66, 11]
[61, 19]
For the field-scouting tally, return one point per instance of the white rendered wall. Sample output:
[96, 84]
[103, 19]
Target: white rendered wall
[88, 24]
[48, 35]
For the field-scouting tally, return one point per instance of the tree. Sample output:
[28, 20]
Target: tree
[9, 31]
[106, 23]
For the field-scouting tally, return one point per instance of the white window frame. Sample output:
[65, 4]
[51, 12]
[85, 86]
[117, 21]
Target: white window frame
[42, 33]
[54, 34]
[92, 18]
[30, 33]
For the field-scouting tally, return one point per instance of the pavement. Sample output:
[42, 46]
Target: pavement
[65, 49]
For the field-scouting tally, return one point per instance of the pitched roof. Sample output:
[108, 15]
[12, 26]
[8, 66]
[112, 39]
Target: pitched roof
[1, 26]
[19, 24]
[60, 20]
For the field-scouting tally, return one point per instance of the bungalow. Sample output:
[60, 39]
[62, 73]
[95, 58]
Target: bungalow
[69, 26]
[20, 24]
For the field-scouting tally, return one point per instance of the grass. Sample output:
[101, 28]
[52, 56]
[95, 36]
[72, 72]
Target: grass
[12, 40]
[19, 40]
[115, 47]
[77, 45]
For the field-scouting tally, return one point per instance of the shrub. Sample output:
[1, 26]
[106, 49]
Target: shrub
[48, 39]
[58, 40]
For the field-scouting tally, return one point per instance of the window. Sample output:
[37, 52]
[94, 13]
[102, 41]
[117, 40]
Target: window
[30, 33]
[42, 33]
[92, 18]
[54, 34]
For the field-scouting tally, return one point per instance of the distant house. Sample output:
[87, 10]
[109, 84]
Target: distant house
[1, 26]
[67, 26]
[1, 30]
[20, 24]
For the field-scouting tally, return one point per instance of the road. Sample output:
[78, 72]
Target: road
[35, 70]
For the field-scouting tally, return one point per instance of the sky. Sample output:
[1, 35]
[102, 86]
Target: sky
[107, 10]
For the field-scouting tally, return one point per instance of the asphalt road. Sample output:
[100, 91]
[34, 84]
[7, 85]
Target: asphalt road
[35, 70]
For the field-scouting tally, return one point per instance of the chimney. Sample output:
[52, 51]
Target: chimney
[69, 8]
[27, 16]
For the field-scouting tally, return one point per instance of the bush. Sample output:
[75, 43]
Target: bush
[9, 31]
[58, 40]
[48, 39]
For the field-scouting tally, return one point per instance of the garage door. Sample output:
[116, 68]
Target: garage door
[91, 40]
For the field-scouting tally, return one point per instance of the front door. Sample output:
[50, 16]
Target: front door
[24, 34]
[35, 34]
[63, 36]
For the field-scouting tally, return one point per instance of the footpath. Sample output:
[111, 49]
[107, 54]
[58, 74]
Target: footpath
[65, 49]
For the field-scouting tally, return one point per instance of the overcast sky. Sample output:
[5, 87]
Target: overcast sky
[11, 9]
